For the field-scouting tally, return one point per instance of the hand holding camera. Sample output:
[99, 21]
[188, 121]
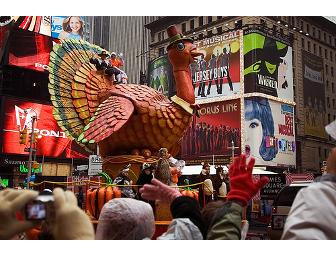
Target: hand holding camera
[11, 202]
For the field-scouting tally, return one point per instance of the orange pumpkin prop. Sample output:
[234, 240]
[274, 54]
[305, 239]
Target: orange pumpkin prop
[96, 198]
[189, 192]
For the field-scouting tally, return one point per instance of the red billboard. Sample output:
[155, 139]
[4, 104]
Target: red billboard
[210, 136]
[53, 141]
[29, 50]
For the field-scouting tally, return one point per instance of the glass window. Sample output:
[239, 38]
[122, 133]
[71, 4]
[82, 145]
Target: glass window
[184, 27]
[209, 19]
[192, 24]
[200, 21]
[161, 51]
[287, 195]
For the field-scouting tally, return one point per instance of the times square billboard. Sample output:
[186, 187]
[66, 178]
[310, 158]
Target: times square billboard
[18, 114]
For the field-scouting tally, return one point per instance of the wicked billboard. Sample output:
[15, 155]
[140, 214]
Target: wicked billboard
[217, 73]
[313, 94]
[53, 142]
[160, 75]
[210, 136]
[267, 65]
[270, 132]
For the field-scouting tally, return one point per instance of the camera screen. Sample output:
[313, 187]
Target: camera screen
[36, 211]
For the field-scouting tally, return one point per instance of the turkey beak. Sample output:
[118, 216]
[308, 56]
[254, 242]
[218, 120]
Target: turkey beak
[194, 53]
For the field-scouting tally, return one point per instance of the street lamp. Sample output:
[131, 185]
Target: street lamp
[32, 137]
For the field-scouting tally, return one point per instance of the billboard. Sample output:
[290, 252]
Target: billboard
[160, 75]
[270, 132]
[29, 50]
[209, 137]
[267, 65]
[37, 24]
[217, 74]
[67, 27]
[5, 26]
[54, 143]
[313, 94]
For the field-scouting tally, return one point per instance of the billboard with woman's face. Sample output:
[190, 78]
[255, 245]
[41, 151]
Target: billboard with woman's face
[67, 27]
[270, 132]
[267, 65]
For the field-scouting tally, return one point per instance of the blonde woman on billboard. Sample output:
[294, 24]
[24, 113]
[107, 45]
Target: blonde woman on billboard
[259, 126]
[72, 28]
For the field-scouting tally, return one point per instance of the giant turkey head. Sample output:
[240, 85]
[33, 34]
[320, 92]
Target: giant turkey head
[181, 50]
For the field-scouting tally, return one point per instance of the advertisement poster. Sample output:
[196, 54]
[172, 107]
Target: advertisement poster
[29, 50]
[5, 25]
[67, 27]
[37, 24]
[217, 74]
[210, 136]
[313, 94]
[270, 132]
[268, 65]
[276, 183]
[53, 141]
[160, 74]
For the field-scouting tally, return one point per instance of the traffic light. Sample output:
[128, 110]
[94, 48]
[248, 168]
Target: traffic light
[35, 165]
[23, 136]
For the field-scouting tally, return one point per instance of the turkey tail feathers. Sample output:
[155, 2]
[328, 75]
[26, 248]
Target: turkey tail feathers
[74, 85]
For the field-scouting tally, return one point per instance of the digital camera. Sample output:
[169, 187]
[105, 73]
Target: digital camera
[40, 208]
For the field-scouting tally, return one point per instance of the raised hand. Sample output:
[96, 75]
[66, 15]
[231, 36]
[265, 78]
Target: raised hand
[159, 191]
[243, 188]
[71, 223]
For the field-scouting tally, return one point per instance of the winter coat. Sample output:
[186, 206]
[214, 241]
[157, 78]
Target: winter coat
[313, 213]
[227, 222]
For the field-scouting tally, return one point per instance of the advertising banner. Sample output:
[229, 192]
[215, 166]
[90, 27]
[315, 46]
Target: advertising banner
[217, 74]
[276, 183]
[53, 141]
[270, 132]
[95, 165]
[160, 75]
[210, 136]
[29, 50]
[67, 27]
[37, 24]
[313, 94]
[5, 25]
[268, 65]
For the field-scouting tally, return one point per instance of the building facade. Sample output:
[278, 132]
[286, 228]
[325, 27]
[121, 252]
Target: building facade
[126, 35]
[312, 40]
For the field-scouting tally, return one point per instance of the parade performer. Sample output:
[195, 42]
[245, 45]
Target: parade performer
[124, 180]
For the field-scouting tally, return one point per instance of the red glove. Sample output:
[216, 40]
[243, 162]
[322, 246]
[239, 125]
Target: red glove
[242, 186]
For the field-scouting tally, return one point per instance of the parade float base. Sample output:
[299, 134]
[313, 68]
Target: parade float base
[162, 211]
[113, 164]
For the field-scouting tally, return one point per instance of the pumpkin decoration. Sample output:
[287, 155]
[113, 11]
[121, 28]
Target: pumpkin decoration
[189, 192]
[96, 198]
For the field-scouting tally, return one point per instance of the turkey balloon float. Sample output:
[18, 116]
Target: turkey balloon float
[121, 118]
